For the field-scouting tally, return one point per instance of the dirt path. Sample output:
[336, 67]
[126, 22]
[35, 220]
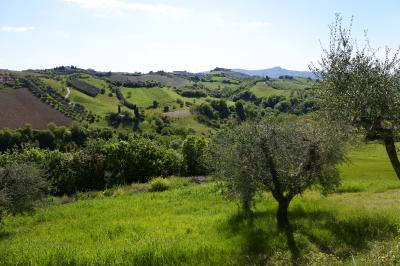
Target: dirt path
[178, 114]
[68, 93]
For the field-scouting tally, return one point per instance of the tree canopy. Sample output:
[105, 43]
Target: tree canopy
[360, 88]
[283, 157]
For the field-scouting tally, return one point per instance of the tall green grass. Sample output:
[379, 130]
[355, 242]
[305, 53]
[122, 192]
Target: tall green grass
[195, 225]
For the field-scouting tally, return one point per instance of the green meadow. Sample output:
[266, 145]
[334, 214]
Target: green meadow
[263, 90]
[144, 97]
[193, 224]
[100, 105]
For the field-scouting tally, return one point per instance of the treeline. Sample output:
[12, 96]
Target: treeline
[136, 84]
[83, 87]
[100, 164]
[191, 93]
[55, 137]
[291, 105]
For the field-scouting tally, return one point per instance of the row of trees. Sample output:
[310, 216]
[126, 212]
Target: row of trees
[137, 84]
[101, 164]
[83, 87]
[55, 137]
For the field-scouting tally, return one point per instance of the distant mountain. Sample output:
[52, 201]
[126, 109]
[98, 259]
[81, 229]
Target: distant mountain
[275, 72]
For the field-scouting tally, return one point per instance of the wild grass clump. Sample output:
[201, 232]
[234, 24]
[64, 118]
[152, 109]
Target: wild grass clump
[159, 184]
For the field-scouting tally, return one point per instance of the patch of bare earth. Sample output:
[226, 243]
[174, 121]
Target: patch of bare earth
[20, 107]
[178, 114]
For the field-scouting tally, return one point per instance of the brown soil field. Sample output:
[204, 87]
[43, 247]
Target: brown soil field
[20, 107]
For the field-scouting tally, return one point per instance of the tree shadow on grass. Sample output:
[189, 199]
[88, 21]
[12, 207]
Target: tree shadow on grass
[256, 241]
[4, 235]
[353, 231]
[330, 233]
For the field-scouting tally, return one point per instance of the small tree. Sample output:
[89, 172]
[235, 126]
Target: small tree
[20, 186]
[285, 158]
[193, 151]
[360, 89]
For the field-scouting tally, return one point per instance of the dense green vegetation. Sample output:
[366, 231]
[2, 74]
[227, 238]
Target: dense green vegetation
[192, 224]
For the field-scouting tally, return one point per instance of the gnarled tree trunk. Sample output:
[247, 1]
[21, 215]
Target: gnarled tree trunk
[392, 153]
[282, 214]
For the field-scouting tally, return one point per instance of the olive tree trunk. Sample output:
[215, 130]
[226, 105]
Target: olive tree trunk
[392, 153]
[282, 214]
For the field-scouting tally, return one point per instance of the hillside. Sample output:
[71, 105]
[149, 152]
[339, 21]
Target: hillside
[20, 107]
[88, 96]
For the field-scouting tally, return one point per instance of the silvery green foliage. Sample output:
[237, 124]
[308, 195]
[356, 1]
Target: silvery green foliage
[20, 186]
[284, 157]
[358, 86]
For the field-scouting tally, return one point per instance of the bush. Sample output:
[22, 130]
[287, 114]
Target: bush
[194, 151]
[100, 164]
[20, 186]
[159, 184]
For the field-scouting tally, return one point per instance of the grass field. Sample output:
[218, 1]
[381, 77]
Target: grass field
[55, 84]
[263, 90]
[195, 225]
[100, 105]
[144, 97]
[218, 85]
[98, 83]
[295, 84]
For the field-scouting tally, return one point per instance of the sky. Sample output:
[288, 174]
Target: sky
[144, 35]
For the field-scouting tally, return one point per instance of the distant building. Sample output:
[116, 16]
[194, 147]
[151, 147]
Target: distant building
[6, 79]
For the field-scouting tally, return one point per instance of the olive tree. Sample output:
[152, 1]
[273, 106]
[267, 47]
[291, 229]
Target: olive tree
[282, 157]
[360, 88]
[20, 186]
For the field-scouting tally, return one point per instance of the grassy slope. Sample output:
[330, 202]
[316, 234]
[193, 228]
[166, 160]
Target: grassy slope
[55, 84]
[144, 97]
[218, 85]
[295, 84]
[263, 90]
[196, 226]
[165, 80]
[100, 105]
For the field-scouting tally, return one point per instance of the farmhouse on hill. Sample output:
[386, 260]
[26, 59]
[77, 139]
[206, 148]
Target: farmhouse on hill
[6, 79]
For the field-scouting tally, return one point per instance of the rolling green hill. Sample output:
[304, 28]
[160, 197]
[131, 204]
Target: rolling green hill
[166, 90]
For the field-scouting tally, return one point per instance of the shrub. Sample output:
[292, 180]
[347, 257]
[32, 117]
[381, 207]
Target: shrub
[193, 151]
[20, 186]
[159, 184]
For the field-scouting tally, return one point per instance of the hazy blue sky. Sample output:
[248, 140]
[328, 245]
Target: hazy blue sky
[143, 35]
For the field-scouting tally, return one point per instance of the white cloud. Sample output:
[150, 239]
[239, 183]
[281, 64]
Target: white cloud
[125, 5]
[16, 29]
